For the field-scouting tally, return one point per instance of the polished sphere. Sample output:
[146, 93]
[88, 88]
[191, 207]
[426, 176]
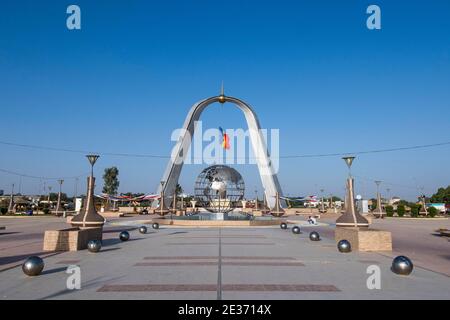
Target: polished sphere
[222, 99]
[33, 266]
[402, 265]
[283, 226]
[94, 246]
[155, 226]
[296, 230]
[124, 236]
[314, 236]
[143, 229]
[344, 246]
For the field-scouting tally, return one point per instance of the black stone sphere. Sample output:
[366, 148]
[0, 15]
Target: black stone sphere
[344, 246]
[33, 266]
[143, 229]
[155, 226]
[402, 265]
[283, 226]
[296, 230]
[314, 236]
[94, 246]
[124, 236]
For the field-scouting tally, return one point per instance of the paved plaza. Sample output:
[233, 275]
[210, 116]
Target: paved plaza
[223, 263]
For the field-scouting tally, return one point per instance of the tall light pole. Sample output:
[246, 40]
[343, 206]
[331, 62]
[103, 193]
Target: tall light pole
[322, 203]
[379, 205]
[11, 200]
[256, 200]
[75, 193]
[58, 204]
[350, 218]
[88, 216]
[48, 198]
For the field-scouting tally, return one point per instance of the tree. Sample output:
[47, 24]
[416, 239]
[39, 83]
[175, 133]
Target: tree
[441, 196]
[111, 181]
[401, 210]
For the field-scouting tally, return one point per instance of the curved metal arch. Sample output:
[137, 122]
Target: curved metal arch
[269, 179]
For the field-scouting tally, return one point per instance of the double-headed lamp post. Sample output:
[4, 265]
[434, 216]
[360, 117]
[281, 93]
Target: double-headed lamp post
[88, 216]
[350, 218]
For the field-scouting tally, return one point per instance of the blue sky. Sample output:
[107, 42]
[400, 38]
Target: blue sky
[310, 68]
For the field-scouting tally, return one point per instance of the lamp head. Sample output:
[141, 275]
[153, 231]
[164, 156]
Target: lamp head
[348, 161]
[92, 158]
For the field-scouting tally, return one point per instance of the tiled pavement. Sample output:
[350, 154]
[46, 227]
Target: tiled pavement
[266, 263]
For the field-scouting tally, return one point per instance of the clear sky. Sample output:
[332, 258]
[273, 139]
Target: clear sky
[312, 69]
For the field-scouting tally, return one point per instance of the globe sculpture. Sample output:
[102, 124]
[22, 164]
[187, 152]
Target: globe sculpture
[402, 265]
[219, 188]
[33, 266]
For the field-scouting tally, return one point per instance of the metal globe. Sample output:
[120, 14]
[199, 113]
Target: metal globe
[296, 230]
[344, 246]
[219, 189]
[155, 226]
[33, 266]
[402, 265]
[314, 236]
[283, 226]
[124, 236]
[94, 246]
[143, 229]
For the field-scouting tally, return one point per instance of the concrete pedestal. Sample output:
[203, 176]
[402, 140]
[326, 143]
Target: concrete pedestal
[365, 239]
[71, 239]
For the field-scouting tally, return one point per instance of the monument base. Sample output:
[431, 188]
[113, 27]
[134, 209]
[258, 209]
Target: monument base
[219, 216]
[71, 239]
[365, 239]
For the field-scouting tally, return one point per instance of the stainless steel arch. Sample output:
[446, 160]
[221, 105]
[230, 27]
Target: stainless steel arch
[269, 178]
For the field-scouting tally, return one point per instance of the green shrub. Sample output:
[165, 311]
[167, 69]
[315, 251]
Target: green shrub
[46, 211]
[432, 212]
[415, 210]
[389, 211]
[4, 210]
[401, 210]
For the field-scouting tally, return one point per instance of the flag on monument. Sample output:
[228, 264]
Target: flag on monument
[225, 139]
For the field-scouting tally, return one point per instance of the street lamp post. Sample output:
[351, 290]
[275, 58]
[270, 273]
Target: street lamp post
[379, 205]
[322, 203]
[58, 204]
[11, 200]
[351, 218]
[88, 216]
[48, 199]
